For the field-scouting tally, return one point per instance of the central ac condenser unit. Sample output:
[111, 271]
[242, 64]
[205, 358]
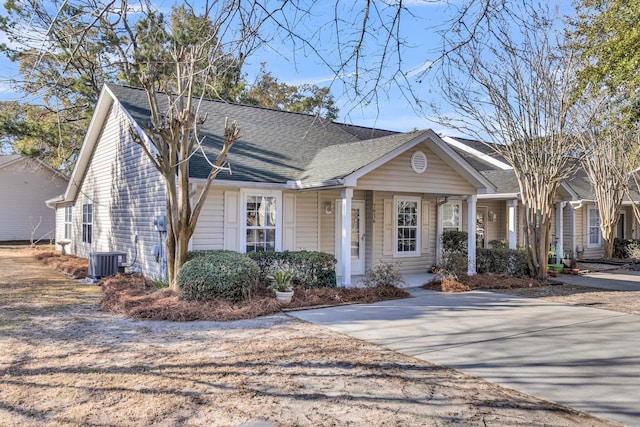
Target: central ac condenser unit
[103, 264]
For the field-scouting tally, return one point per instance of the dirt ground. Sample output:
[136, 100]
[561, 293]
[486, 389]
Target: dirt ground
[62, 362]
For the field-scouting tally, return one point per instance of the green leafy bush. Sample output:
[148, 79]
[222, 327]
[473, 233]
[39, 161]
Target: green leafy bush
[217, 274]
[511, 262]
[313, 269]
[454, 241]
[454, 260]
[382, 274]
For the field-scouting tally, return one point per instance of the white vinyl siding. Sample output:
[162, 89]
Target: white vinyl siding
[397, 175]
[25, 185]
[210, 229]
[308, 213]
[127, 193]
[380, 226]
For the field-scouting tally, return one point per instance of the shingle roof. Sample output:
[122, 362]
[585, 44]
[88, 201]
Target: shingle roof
[504, 180]
[338, 161]
[274, 146]
[6, 159]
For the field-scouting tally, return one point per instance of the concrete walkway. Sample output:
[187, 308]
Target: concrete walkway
[617, 280]
[582, 357]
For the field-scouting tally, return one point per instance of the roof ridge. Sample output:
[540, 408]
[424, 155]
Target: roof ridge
[240, 104]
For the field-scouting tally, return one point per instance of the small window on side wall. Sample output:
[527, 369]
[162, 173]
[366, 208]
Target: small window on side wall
[68, 222]
[87, 223]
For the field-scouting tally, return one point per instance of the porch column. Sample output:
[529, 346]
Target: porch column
[559, 232]
[471, 242]
[573, 231]
[347, 195]
[439, 233]
[512, 206]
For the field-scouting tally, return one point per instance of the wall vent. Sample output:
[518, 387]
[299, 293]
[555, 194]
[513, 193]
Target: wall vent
[419, 162]
[103, 264]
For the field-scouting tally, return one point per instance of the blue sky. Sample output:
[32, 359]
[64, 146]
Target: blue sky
[392, 110]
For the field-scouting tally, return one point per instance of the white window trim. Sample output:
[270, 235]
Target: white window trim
[68, 222]
[418, 202]
[244, 193]
[453, 202]
[90, 203]
[589, 244]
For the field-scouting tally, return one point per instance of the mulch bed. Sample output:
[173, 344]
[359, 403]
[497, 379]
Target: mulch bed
[133, 296]
[466, 283]
[71, 265]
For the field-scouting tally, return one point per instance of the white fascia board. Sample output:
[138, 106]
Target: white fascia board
[460, 164]
[568, 189]
[331, 183]
[243, 184]
[351, 179]
[499, 196]
[479, 154]
[88, 144]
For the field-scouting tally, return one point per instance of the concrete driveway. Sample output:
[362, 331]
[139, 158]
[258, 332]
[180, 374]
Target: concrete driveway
[582, 357]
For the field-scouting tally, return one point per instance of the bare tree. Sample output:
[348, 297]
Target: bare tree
[175, 121]
[513, 87]
[611, 155]
[34, 228]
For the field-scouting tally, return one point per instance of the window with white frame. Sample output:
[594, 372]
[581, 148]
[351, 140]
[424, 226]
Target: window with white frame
[451, 214]
[593, 224]
[68, 221]
[407, 226]
[261, 222]
[87, 222]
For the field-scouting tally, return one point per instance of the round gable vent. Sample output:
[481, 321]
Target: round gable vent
[418, 162]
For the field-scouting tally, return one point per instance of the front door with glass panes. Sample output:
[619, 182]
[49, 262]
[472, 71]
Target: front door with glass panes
[357, 237]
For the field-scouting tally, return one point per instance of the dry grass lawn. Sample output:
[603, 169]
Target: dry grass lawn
[64, 363]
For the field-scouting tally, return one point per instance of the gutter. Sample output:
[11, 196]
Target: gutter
[52, 203]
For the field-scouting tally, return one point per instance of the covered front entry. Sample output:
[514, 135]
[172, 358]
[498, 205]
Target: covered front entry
[358, 240]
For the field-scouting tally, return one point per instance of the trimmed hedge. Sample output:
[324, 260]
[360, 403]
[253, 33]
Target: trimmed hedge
[497, 260]
[511, 262]
[313, 269]
[217, 274]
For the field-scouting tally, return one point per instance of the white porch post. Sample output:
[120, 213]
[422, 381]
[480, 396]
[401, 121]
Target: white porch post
[347, 195]
[559, 232]
[512, 206]
[471, 242]
[573, 232]
[439, 234]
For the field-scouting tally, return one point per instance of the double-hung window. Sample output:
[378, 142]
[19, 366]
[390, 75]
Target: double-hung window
[407, 226]
[261, 216]
[87, 222]
[68, 221]
[593, 224]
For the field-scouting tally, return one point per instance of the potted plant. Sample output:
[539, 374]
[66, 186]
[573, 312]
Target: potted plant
[282, 285]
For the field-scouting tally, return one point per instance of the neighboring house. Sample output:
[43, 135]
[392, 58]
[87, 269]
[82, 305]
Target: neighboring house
[295, 182]
[25, 185]
[575, 227]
